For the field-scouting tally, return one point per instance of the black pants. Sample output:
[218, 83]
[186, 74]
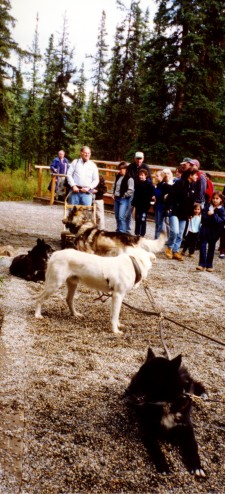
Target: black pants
[140, 223]
[190, 242]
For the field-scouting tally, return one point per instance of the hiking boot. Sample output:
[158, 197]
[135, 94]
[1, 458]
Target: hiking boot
[191, 255]
[182, 252]
[210, 270]
[169, 253]
[178, 256]
[200, 268]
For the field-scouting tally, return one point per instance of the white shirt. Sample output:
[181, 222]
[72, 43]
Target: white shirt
[194, 223]
[83, 174]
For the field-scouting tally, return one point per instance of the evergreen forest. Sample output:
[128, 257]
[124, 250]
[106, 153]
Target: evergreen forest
[160, 90]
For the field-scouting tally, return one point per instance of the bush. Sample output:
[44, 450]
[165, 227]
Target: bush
[15, 186]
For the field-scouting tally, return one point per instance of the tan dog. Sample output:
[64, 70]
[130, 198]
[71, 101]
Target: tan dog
[116, 275]
[88, 238]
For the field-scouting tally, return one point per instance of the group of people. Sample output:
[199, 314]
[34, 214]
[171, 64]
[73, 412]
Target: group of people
[192, 212]
[186, 206]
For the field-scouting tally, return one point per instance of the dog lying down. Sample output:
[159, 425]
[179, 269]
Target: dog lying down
[161, 394]
[117, 275]
[32, 266]
[89, 238]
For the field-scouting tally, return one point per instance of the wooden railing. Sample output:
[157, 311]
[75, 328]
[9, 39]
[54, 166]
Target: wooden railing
[108, 169]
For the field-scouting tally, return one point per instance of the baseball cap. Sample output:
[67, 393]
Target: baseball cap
[195, 162]
[139, 154]
[186, 160]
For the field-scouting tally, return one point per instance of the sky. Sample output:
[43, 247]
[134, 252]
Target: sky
[84, 17]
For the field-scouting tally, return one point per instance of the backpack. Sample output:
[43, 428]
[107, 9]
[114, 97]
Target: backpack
[209, 189]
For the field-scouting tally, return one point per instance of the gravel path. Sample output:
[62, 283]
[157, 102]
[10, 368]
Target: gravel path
[64, 428]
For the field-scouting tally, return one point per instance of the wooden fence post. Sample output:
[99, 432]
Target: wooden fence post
[52, 196]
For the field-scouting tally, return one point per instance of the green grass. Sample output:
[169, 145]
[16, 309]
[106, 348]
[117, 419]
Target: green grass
[15, 186]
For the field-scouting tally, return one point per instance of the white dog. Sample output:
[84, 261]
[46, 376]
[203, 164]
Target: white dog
[117, 275]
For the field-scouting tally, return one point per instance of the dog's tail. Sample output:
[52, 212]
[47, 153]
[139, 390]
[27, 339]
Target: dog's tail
[153, 245]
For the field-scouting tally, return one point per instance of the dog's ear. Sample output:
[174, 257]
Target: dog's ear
[176, 362]
[40, 242]
[150, 355]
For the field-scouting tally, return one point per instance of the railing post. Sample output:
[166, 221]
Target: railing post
[39, 182]
[52, 196]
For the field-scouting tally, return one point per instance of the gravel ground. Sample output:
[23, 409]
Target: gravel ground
[64, 428]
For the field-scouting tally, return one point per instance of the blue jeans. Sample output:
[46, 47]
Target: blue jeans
[129, 215]
[159, 222]
[80, 198]
[121, 206]
[206, 255]
[176, 233]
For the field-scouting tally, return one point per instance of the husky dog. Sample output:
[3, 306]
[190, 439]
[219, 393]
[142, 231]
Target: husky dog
[88, 238]
[161, 394]
[32, 266]
[116, 275]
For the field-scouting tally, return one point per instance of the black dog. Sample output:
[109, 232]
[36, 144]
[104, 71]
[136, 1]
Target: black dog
[32, 266]
[160, 393]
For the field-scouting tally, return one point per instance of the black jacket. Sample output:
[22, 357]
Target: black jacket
[142, 195]
[180, 199]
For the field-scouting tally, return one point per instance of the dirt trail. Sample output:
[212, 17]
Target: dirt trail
[64, 428]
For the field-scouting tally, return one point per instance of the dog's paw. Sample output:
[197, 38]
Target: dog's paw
[117, 331]
[198, 472]
[78, 314]
[39, 316]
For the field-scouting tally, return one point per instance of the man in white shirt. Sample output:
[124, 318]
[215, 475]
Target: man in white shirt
[82, 177]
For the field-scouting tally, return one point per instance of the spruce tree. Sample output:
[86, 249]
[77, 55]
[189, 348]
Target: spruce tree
[185, 81]
[8, 74]
[125, 83]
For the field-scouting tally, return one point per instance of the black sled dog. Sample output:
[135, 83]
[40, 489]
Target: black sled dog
[32, 266]
[161, 392]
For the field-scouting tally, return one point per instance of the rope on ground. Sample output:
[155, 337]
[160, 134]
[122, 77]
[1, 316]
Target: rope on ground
[160, 315]
[148, 313]
[152, 301]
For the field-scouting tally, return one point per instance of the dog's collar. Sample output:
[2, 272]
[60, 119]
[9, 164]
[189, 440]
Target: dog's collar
[137, 270]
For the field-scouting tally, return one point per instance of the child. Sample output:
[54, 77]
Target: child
[99, 203]
[193, 230]
[123, 190]
[144, 191]
[213, 220]
[162, 188]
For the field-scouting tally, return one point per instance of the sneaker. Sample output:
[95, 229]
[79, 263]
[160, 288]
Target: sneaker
[209, 270]
[178, 256]
[222, 256]
[169, 253]
[200, 268]
[191, 255]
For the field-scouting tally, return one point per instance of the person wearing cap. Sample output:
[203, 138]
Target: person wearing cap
[186, 164]
[201, 183]
[179, 206]
[123, 190]
[136, 165]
